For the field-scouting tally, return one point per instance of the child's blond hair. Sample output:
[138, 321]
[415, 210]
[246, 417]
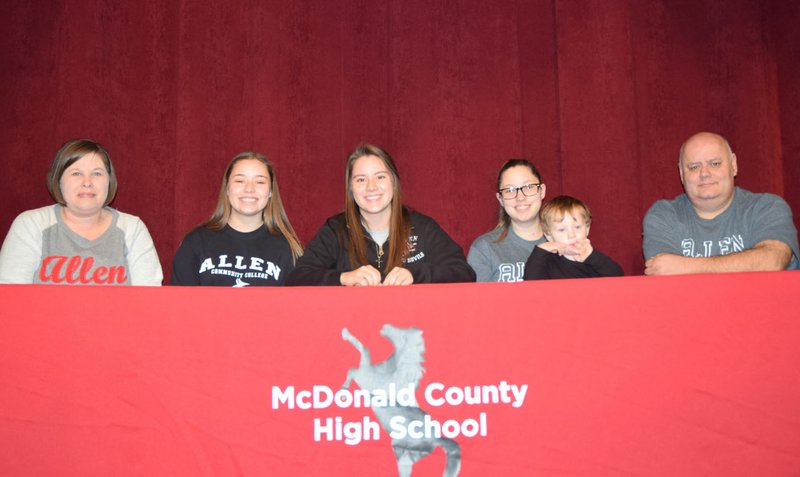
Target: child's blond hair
[555, 210]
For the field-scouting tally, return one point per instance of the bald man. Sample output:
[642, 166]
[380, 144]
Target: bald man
[716, 226]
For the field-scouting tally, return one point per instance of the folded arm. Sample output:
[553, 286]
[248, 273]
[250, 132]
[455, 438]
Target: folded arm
[768, 255]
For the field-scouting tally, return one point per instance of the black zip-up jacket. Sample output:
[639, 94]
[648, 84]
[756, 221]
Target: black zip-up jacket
[544, 265]
[434, 257]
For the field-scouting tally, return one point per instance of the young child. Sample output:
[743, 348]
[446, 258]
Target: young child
[568, 253]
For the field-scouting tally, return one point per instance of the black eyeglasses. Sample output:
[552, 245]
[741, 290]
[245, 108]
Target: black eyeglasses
[528, 190]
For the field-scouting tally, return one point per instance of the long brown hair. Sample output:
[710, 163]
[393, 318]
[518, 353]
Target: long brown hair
[274, 216]
[503, 220]
[399, 222]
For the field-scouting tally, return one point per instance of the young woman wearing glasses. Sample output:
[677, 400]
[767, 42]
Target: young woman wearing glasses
[377, 240]
[500, 255]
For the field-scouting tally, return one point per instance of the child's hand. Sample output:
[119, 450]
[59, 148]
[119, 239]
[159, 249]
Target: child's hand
[554, 247]
[579, 251]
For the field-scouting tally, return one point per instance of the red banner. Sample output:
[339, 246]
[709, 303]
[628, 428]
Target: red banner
[690, 375]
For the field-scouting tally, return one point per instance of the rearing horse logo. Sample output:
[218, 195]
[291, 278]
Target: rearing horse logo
[403, 367]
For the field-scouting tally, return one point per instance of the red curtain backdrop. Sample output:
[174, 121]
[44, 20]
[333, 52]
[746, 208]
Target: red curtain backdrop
[599, 94]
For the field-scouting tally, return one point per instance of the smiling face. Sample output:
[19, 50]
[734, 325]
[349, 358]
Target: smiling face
[372, 187]
[84, 185]
[707, 169]
[521, 209]
[248, 191]
[569, 228]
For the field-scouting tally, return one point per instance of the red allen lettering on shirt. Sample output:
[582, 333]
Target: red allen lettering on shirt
[78, 270]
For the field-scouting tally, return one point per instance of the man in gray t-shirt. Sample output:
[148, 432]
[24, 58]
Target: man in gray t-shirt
[715, 226]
